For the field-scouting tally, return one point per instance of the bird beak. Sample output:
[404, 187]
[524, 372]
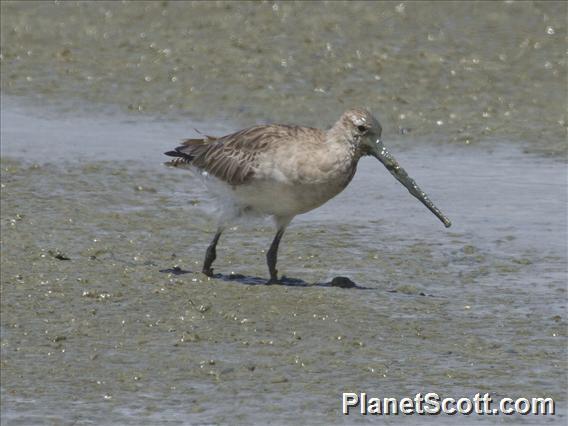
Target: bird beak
[380, 152]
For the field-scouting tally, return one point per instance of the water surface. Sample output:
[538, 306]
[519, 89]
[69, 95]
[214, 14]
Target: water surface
[455, 72]
[90, 325]
[472, 99]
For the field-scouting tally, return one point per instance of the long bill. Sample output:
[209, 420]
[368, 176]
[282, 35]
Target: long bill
[400, 174]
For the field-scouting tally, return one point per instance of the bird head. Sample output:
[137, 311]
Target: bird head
[364, 131]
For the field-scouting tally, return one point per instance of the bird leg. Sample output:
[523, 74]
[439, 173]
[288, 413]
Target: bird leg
[272, 256]
[211, 254]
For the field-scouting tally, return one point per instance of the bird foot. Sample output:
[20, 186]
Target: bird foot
[273, 280]
[208, 272]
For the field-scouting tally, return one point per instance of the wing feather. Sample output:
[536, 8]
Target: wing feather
[234, 158]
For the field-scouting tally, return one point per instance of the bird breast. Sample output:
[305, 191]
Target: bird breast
[291, 183]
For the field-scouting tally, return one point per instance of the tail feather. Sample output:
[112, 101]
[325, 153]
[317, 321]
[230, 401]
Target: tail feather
[176, 154]
[180, 158]
[189, 150]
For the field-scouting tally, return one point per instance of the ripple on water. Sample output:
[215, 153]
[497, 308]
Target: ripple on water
[95, 317]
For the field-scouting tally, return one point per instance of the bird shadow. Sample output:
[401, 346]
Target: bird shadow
[340, 282]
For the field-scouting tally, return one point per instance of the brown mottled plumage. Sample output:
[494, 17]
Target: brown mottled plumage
[234, 158]
[282, 171]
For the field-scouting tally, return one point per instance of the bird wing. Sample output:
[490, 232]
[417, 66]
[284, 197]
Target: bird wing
[233, 158]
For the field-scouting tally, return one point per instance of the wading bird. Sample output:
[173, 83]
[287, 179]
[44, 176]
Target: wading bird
[282, 171]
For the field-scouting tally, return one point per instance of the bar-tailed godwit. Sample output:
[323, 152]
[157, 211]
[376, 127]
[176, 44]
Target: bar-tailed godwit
[282, 171]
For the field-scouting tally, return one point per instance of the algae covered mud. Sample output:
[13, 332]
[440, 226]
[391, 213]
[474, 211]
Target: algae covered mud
[97, 324]
[462, 71]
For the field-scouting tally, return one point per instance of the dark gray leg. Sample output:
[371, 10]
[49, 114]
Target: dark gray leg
[211, 254]
[272, 256]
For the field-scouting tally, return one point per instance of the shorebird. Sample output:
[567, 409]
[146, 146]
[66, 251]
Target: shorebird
[281, 171]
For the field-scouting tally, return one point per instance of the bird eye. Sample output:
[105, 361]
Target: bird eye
[362, 129]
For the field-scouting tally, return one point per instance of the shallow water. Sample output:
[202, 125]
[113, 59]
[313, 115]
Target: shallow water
[99, 326]
[455, 72]
[91, 326]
